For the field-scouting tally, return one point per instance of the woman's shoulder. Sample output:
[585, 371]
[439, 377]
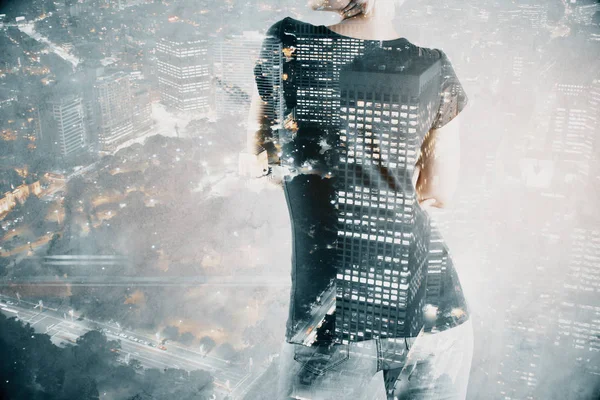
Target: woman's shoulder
[423, 53]
[430, 53]
[402, 51]
[284, 25]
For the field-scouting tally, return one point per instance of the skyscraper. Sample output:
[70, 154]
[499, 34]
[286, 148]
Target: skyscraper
[355, 114]
[233, 61]
[113, 109]
[62, 125]
[321, 59]
[273, 66]
[142, 107]
[183, 68]
[582, 12]
[571, 133]
[578, 323]
[376, 298]
[252, 160]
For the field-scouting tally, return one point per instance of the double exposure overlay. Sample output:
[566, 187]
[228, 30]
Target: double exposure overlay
[157, 241]
[349, 118]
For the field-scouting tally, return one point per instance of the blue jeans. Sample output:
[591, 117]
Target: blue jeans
[429, 367]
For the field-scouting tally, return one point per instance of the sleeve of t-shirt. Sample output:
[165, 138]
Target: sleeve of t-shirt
[266, 67]
[452, 95]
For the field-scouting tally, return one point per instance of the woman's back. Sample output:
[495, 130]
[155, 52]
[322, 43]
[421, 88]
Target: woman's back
[348, 117]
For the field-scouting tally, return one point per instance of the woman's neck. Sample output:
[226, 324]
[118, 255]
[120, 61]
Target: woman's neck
[367, 28]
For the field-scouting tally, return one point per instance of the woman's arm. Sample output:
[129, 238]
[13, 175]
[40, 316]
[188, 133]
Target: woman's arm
[255, 114]
[439, 164]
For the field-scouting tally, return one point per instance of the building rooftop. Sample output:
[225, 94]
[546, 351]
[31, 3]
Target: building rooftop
[408, 61]
[179, 32]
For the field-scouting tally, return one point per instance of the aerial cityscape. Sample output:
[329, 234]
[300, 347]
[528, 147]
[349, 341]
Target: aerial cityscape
[142, 239]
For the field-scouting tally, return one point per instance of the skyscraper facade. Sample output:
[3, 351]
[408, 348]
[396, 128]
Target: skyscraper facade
[183, 68]
[273, 108]
[233, 60]
[141, 106]
[354, 114]
[382, 284]
[113, 110]
[320, 58]
[63, 126]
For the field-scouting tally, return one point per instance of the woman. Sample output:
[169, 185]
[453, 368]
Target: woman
[360, 130]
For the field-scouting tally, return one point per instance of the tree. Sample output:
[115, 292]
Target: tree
[227, 351]
[34, 209]
[207, 343]
[187, 338]
[79, 386]
[53, 244]
[202, 379]
[171, 332]
[4, 263]
[34, 368]
[8, 246]
[135, 363]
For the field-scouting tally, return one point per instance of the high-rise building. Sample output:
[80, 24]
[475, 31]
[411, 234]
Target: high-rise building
[571, 137]
[593, 122]
[582, 12]
[233, 61]
[354, 115]
[436, 267]
[376, 227]
[251, 161]
[321, 60]
[183, 68]
[535, 14]
[62, 125]
[579, 314]
[141, 107]
[113, 110]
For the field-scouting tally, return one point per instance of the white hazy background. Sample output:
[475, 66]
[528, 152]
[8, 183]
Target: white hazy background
[523, 229]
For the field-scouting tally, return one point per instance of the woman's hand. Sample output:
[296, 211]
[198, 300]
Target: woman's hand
[427, 203]
[423, 203]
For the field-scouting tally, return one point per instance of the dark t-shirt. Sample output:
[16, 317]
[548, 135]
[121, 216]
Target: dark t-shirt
[345, 121]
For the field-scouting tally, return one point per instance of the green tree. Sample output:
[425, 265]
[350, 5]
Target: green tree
[135, 363]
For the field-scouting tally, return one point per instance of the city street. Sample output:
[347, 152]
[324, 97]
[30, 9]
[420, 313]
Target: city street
[63, 329]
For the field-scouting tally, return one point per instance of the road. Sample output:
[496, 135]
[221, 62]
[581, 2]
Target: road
[307, 331]
[29, 29]
[228, 376]
[25, 248]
